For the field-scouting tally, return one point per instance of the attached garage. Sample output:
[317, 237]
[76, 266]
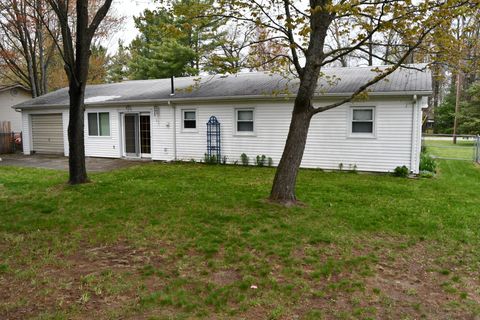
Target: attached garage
[47, 133]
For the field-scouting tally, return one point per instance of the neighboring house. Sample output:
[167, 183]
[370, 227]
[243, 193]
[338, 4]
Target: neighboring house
[10, 96]
[143, 119]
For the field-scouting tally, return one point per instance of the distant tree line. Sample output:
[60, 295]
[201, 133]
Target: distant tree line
[30, 47]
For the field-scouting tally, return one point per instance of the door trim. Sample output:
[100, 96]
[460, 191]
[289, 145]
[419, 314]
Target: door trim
[139, 153]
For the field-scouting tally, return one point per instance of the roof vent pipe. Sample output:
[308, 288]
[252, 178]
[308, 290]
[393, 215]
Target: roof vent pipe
[172, 83]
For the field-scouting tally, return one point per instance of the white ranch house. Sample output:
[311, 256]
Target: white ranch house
[143, 119]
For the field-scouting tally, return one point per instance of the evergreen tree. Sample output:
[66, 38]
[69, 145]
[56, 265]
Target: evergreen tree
[170, 42]
[469, 117]
[445, 113]
[118, 69]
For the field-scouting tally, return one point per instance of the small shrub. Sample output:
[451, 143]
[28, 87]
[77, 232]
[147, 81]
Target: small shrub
[224, 160]
[426, 174]
[353, 168]
[261, 160]
[270, 162]
[427, 163]
[210, 159]
[244, 158]
[340, 166]
[401, 171]
[424, 148]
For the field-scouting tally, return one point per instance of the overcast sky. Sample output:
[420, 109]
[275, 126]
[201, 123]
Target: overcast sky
[129, 9]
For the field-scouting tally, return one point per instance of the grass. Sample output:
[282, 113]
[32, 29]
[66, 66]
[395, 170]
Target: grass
[464, 149]
[175, 241]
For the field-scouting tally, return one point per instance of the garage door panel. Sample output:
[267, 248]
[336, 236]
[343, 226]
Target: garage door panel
[47, 133]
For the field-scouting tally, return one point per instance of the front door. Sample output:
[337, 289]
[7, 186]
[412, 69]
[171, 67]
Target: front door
[137, 135]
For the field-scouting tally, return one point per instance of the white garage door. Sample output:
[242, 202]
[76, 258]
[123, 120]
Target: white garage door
[47, 133]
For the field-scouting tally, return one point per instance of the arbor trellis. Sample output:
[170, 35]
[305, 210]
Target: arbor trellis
[214, 148]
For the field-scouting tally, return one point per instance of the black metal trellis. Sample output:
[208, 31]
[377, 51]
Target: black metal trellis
[213, 139]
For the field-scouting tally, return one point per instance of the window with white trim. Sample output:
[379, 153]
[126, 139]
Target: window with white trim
[363, 121]
[245, 121]
[99, 124]
[189, 119]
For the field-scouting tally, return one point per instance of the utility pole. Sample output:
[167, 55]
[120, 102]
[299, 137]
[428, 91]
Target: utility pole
[457, 106]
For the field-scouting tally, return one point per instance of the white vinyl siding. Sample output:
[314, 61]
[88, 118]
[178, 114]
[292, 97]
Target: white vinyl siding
[329, 143]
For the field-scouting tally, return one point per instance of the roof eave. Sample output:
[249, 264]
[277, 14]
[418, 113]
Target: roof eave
[2, 89]
[173, 99]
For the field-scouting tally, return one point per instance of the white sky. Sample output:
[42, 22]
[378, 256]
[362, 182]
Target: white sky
[129, 9]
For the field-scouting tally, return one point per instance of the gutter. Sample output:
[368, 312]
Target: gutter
[226, 99]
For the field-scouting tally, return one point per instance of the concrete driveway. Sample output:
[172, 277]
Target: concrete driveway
[61, 163]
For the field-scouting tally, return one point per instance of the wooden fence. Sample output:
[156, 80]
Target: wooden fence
[10, 142]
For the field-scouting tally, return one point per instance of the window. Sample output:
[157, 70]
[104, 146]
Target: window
[244, 121]
[99, 124]
[362, 120]
[189, 119]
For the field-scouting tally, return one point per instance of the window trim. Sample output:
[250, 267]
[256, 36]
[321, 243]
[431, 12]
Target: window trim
[98, 124]
[245, 133]
[183, 120]
[371, 135]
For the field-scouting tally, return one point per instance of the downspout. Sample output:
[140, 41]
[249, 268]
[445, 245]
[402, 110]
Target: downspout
[413, 165]
[174, 108]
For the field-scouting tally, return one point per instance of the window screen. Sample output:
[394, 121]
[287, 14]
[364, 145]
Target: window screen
[189, 120]
[92, 124]
[104, 118]
[99, 124]
[245, 120]
[362, 120]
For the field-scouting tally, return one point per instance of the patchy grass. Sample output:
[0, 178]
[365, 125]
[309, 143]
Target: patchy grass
[464, 149]
[175, 241]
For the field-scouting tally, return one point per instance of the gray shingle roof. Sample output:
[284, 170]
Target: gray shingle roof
[334, 81]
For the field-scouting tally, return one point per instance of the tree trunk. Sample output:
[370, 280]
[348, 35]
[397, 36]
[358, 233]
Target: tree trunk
[76, 138]
[283, 189]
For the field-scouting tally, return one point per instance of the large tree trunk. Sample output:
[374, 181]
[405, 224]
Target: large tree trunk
[283, 189]
[76, 136]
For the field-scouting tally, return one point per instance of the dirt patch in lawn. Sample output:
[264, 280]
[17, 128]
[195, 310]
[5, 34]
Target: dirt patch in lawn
[92, 281]
[384, 278]
[417, 281]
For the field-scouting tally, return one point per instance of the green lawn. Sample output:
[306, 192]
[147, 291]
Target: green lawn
[464, 149]
[186, 241]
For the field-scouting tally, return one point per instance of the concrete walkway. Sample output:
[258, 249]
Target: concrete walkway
[61, 163]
